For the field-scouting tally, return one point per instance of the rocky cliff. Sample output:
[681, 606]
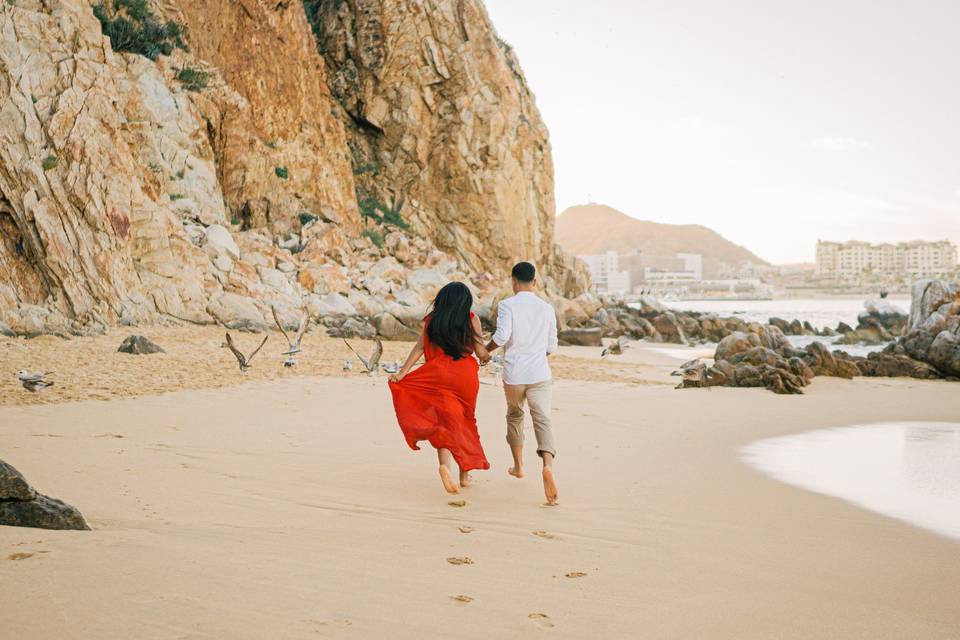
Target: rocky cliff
[443, 128]
[186, 159]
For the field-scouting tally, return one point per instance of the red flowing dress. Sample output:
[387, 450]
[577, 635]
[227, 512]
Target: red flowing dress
[437, 402]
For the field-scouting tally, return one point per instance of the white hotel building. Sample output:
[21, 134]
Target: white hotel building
[605, 273]
[851, 260]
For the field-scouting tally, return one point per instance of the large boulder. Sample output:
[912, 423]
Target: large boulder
[139, 345]
[670, 328]
[237, 312]
[581, 337]
[13, 486]
[734, 344]
[823, 362]
[22, 506]
[390, 328]
[332, 304]
[219, 241]
[928, 296]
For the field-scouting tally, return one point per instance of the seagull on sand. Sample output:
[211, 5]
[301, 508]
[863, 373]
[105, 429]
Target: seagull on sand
[617, 348]
[294, 349]
[348, 365]
[34, 382]
[243, 360]
[372, 363]
[693, 372]
[391, 368]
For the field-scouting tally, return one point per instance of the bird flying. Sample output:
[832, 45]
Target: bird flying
[617, 348]
[294, 343]
[244, 361]
[372, 364]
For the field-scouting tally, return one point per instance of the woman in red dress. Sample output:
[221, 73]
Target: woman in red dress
[437, 401]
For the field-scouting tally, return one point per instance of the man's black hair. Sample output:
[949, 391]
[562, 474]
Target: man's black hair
[524, 272]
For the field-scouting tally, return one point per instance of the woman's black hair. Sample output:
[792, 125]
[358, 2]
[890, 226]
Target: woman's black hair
[450, 327]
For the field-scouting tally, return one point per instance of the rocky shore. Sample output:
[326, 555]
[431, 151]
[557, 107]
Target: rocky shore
[763, 357]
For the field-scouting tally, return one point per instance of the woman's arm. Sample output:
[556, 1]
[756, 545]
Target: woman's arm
[478, 346]
[415, 352]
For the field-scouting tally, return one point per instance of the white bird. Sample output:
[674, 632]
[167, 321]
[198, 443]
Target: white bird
[372, 364]
[34, 382]
[348, 365]
[243, 360]
[617, 348]
[391, 368]
[294, 344]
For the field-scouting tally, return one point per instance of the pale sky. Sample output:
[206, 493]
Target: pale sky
[773, 122]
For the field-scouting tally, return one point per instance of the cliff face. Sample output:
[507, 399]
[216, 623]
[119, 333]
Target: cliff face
[89, 137]
[121, 173]
[442, 125]
[285, 119]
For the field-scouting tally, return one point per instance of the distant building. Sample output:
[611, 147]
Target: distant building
[692, 263]
[854, 259]
[605, 273]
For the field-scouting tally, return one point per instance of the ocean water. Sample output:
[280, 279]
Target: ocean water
[820, 312]
[904, 470]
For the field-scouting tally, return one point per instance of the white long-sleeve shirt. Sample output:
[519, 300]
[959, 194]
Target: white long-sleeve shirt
[527, 330]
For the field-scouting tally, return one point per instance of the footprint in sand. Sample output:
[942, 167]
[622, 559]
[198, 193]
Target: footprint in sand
[576, 574]
[463, 560]
[457, 503]
[466, 529]
[339, 622]
[19, 556]
[543, 534]
[461, 598]
[542, 620]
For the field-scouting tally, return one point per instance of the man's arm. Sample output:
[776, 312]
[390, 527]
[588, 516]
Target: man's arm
[552, 343]
[504, 328]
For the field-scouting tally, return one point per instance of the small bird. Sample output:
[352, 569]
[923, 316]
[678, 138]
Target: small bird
[372, 364]
[617, 348]
[692, 374]
[294, 344]
[243, 360]
[348, 365]
[391, 367]
[34, 382]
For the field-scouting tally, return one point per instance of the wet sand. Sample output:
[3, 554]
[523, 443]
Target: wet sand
[288, 506]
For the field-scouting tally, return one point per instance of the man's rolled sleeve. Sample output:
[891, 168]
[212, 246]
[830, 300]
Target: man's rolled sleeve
[504, 325]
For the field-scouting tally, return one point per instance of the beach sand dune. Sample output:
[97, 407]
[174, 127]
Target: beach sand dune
[291, 508]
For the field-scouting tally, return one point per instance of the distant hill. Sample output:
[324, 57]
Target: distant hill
[596, 228]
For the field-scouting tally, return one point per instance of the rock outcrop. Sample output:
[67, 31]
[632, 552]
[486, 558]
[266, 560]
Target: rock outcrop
[444, 130]
[933, 331]
[139, 345]
[212, 182]
[879, 323]
[22, 506]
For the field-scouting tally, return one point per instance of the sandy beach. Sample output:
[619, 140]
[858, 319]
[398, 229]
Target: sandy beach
[284, 504]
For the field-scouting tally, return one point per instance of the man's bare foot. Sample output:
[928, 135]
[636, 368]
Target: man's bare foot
[549, 486]
[465, 479]
[516, 472]
[447, 480]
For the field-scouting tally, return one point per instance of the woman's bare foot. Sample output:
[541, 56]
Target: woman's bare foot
[516, 472]
[447, 480]
[465, 479]
[549, 486]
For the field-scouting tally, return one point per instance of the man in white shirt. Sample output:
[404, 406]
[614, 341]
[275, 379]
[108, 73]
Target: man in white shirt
[527, 330]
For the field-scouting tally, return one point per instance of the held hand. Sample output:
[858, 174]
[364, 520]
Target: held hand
[395, 377]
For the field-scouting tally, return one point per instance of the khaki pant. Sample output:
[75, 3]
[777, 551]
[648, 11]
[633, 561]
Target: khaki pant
[539, 397]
